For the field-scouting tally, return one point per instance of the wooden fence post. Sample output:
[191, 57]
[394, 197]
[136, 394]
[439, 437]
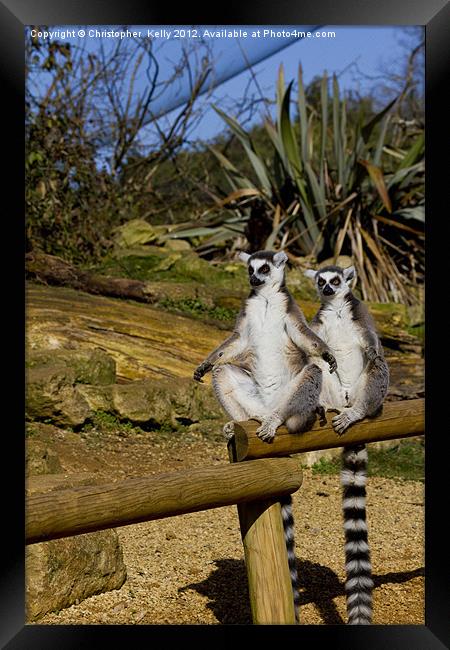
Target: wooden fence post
[269, 580]
[266, 561]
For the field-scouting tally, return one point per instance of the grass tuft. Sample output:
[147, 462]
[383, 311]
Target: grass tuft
[404, 461]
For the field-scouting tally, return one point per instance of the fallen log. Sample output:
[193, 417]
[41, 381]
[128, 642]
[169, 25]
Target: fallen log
[53, 270]
[391, 319]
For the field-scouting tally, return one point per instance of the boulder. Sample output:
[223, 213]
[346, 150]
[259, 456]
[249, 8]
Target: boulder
[40, 458]
[52, 394]
[65, 571]
[156, 401]
[177, 245]
[99, 398]
[135, 232]
[90, 366]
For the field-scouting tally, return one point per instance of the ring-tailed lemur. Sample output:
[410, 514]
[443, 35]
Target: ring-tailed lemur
[356, 390]
[263, 370]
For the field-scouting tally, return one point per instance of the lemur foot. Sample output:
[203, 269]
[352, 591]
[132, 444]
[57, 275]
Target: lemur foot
[267, 429]
[342, 421]
[320, 411]
[228, 430]
[258, 418]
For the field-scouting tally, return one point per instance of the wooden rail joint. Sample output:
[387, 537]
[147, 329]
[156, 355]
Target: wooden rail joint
[262, 530]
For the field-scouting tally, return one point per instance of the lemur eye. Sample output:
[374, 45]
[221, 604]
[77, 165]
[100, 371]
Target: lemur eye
[265, 268]
[335, 281]
[321, 282]
[250, 270]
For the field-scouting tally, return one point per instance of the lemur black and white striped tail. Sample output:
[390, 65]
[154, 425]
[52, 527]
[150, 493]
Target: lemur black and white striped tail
[359, 583]
[288, 525]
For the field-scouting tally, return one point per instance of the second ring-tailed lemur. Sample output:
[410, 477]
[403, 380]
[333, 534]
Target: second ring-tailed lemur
[263, 371]
[356, 391]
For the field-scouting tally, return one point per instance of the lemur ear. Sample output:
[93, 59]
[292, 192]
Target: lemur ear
[280, 258]
[310, 274]
[349, 274]
[244, 256]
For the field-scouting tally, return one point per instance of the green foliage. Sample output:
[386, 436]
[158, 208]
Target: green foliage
[329, 175]
[107, 424]
[404, 461]
[327, 466]
[103, 423]
[71, 205]
[85, 173]
[333, 178]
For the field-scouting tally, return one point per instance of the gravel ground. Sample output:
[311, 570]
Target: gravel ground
[190, 569]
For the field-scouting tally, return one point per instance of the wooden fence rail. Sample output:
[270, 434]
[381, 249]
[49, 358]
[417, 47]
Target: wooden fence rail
[269, 582]
[255, 485]
[398, 420]
[84, 509]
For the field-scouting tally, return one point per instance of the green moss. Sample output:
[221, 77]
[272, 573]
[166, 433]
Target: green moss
[197, 309]
[419, 331]
[134, 267]
[404, 461]
[179, 266]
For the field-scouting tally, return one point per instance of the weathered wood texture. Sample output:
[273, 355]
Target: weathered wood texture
[266, 561]
[269, 581]
[85, 509]
[148, 342]
[54, 270]
[145, 342]
[398, 420]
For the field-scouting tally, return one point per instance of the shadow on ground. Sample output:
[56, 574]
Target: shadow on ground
[227, 590]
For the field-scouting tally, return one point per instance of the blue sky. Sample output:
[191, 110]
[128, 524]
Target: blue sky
[353, 52]
[370, 48]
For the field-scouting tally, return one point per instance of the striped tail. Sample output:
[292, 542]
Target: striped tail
[359, 583]
[288, 525]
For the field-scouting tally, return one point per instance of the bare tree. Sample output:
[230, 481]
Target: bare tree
[93, 113]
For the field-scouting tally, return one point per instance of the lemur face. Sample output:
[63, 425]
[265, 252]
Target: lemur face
[265, 268]
[332, 281]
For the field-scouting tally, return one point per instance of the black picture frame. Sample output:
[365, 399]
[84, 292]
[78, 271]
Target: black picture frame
[14, 16]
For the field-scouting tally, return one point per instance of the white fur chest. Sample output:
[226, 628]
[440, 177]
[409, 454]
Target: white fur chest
[266, 330]
[340, 333]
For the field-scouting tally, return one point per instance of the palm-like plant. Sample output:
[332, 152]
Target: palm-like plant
[333, 187]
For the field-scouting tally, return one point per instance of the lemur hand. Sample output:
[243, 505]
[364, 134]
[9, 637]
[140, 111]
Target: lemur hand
[329, 358]
[202, 369]
[371, 353]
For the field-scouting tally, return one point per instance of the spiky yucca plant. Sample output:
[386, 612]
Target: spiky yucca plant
[333, 187]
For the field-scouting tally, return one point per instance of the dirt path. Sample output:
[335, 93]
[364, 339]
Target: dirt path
[190, 570]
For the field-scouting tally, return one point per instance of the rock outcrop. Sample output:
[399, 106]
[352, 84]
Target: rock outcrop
[65, 571]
